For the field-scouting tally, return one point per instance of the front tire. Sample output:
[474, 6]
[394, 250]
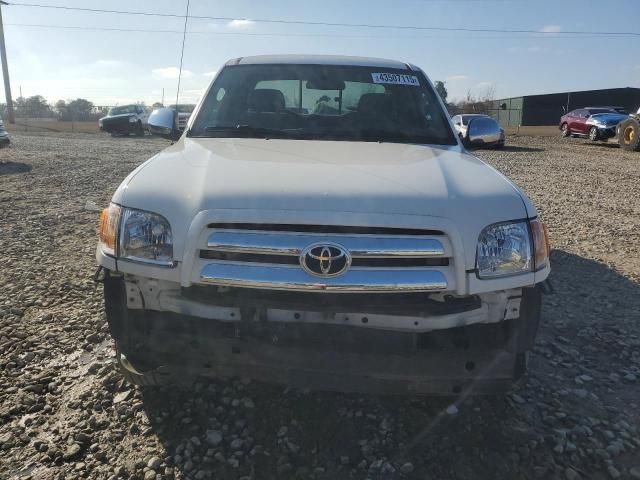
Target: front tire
[629, 136]
[139, 130]
[594, 135]
[564, 131]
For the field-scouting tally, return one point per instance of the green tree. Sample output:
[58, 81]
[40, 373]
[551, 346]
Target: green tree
[35, 106]
[442, 90]
[61, 109]
[80, 109]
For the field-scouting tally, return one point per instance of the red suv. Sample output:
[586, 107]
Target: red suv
[597, 123]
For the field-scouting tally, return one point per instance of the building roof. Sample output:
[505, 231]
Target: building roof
[319, 60]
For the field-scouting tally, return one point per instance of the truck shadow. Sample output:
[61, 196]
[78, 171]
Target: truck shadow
[12, 168]
[521, 149]
[235, 428]
[602, 145]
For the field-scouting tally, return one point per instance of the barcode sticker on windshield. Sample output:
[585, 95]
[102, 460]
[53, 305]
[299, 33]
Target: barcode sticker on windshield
[396, 79]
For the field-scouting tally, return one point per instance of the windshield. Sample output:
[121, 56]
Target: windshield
[323, 102]
[122, 110]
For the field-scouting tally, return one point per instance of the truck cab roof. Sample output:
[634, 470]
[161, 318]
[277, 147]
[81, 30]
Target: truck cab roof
[320, 60]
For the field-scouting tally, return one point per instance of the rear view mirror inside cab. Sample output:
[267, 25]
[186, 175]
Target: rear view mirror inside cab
[325, 84]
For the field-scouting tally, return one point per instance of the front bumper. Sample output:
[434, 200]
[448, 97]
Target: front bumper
[347, 344]
[121, 125]
[607, 132]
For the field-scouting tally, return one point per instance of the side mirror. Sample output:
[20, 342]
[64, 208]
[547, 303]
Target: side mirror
[162, 122]
[482, 132]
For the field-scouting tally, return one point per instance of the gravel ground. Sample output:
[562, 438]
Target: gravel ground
[66, 413]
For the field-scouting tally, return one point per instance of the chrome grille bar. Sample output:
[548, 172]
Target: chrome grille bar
[292, 278]
[292, 243]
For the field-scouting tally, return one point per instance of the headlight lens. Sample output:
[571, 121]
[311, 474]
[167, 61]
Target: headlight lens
[504, 249]
[145, 237]
[137, 235]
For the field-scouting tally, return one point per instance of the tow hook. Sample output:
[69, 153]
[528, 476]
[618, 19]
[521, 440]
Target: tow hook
[547, 288]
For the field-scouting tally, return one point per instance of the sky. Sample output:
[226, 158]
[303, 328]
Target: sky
[111, 67]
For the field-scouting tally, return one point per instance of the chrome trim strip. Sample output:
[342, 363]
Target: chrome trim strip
[293, 243]
[293, 278]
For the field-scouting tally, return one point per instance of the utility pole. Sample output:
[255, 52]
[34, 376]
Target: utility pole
[162, 97]
[5, 70]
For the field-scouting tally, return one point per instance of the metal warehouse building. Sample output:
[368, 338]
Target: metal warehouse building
[537, 110]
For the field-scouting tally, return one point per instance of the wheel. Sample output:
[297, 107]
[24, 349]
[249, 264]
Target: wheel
[564, 130]
[629, 136]
[594, 135]
[139, 131]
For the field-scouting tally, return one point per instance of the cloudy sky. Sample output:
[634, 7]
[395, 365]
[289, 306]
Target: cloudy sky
[113, 58]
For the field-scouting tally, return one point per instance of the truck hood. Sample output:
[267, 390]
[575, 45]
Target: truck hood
[389, 180]
[608, 118]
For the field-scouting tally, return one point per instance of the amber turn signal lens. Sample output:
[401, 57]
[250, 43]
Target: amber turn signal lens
[540, 243]
[108, 235]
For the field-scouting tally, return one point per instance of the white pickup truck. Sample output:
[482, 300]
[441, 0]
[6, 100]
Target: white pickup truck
[320, 224]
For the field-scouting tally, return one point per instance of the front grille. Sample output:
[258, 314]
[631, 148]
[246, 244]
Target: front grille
[382, 259]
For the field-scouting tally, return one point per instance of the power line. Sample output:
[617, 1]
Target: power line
[288, 34]
[184, 36]
[327, 24]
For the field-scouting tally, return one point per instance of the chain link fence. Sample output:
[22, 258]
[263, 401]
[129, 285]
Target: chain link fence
[39, 119]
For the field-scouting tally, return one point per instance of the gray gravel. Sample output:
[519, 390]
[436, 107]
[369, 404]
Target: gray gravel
[66, 413]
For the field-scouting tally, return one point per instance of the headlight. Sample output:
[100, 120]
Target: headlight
[504, 249]
[132, 120]
[132, 234]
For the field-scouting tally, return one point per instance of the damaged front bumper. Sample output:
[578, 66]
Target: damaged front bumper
[414, 343]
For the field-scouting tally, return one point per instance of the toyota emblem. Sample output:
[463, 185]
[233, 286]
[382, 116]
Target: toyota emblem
[325, 259]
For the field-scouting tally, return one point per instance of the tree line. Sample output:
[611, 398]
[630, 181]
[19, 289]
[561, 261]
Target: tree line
[37, 106]
[471, 103]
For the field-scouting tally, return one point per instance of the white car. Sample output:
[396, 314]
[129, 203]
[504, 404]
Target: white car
[320, 224]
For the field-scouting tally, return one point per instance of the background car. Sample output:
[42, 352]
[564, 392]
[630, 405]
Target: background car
[125, 120]
[597, 123]
[461, 125]
[4, 135]
[184, 113]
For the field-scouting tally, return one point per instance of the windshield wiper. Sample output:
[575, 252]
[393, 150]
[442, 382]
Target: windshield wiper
[243, 131]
